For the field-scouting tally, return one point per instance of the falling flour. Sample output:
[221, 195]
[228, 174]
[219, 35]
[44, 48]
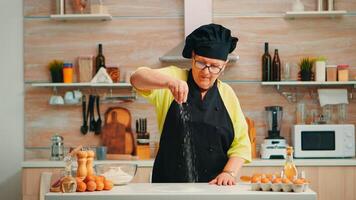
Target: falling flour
[188, 150]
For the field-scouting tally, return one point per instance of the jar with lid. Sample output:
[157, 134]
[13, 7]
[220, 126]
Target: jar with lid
[331, 73]
[67, 72]
[57, 147]
[343, 72]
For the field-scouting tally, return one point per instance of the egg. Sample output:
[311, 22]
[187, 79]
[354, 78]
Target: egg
[91, 186]
[269, 176]
[255, 179]
[286, 180]
[298, 181]
[81, 186]
[245, 178]
[265, 180]
[277, 180]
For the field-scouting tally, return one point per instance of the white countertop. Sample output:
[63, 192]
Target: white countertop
[254, 163]
[186, 191]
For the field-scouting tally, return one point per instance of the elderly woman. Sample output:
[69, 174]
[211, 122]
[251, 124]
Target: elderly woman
[210, 142]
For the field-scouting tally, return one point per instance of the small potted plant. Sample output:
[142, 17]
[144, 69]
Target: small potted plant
[56, 69]
[306, 69]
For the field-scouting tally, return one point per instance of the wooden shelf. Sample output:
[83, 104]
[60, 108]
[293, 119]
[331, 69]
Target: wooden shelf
[108, 85]
[308, 83]
[173, 58]
[306, 14]
[81, 17]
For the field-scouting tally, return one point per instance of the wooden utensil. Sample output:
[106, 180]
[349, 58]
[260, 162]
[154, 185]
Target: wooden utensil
[252, 136]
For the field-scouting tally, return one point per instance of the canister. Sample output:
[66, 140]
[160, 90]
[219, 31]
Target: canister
[343, 72]
[67, 72]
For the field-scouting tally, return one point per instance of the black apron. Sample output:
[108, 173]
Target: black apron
[203, 155]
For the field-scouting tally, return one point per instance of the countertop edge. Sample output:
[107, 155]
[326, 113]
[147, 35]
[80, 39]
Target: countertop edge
[255, 163]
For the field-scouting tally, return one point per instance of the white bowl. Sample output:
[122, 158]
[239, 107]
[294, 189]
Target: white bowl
[118, 173]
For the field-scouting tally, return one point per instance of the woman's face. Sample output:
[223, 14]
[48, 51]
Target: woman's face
[206, 70]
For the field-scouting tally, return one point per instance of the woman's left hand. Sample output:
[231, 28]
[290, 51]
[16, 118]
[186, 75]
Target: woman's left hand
[223, 179]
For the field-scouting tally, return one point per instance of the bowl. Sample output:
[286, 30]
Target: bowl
[118, 173]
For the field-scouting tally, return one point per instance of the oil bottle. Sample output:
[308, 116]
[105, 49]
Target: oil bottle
[290, 170]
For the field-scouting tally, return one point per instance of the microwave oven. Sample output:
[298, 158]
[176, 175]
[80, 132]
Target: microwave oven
[324, 141]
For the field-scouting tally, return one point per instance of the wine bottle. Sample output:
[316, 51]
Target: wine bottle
[100, 59]
[276, 66]
[266, 65]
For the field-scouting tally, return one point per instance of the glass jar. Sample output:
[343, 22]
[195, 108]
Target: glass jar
[300, 113]
[331, 73]
[343, 72]
[342, 113]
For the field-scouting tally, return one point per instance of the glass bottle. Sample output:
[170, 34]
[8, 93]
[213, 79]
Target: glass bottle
[290, 170]
[69, 184]
[276, 66]
[266, 65]
[100, 59]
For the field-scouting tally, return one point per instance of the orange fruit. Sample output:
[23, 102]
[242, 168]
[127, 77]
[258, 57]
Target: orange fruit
[99, 185]
[91, 186]
[265, 180]
[277, 180]
[89, 178]
[108, 185]
[81, 186]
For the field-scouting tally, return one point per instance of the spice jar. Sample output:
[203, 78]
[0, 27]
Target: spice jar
[67, 73]
[343, 72]
[331, 73]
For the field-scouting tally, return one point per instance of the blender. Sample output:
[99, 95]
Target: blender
[274, 146]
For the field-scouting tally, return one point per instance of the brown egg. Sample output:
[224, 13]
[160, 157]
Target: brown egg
[286, 180]
[89, 178]
[245, 178]
[108, 185]
[100, 178]
[78, 179]
[269, 176]
[298, 181]
[277, 180]
[81, 186]
[99, 185]
[91, 186]
[265, 180]
[255, 179]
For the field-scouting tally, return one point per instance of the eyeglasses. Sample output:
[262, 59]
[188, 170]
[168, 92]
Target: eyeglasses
[212, 68]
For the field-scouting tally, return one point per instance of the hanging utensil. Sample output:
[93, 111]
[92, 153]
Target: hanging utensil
[98, 122]
[84, 127]
[91, 113]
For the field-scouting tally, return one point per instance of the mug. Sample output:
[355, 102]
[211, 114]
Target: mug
[56, 100]
[101, 152]
[72, 97]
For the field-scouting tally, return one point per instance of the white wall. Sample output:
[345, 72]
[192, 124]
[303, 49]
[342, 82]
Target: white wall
[11, 98]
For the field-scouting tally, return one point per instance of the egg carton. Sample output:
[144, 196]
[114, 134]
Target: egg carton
[280, 187]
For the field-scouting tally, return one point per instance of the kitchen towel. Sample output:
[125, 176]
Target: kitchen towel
[332, 96]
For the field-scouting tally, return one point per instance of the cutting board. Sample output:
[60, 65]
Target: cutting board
[252, 136]
[116, 132]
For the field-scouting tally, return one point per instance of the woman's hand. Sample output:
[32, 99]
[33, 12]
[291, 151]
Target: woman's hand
[179, 90]
[223, 179]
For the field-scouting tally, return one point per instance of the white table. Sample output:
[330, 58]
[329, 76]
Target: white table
[185, 191]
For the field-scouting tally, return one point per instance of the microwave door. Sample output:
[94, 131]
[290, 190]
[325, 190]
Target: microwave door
[318, 144]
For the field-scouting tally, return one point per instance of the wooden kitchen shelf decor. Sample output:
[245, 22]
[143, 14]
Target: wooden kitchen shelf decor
[82, 17]
[107, 85]
[309, 14]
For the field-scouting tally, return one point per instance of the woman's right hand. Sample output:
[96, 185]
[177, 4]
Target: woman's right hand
[179, 90]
